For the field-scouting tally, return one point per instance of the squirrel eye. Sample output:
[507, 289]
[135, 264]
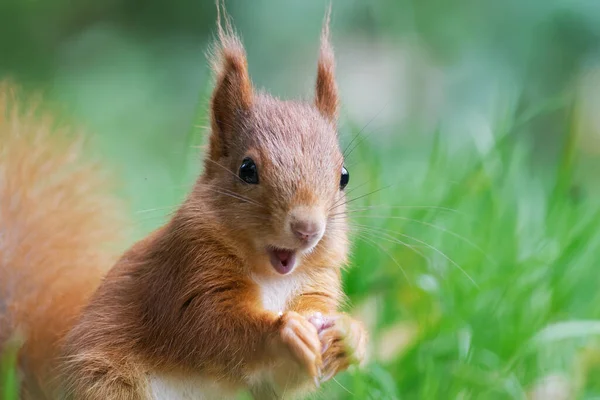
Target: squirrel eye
[248, 171]
[344, 179]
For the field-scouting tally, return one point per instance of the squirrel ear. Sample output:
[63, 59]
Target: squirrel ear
[233, 89]
[326, 98]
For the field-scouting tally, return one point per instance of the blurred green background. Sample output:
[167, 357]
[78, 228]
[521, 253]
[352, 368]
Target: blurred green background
[473, 134]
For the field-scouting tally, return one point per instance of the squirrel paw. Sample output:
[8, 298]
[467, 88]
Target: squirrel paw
[301, 338]
[344, 343]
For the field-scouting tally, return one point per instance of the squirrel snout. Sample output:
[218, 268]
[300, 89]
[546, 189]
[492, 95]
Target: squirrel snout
[307, 225]
[305, 230]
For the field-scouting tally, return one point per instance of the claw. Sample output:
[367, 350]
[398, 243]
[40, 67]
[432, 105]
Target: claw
[321, 322]
[328, 376]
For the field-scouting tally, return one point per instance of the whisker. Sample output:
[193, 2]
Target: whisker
[348, 192]
[342, 386]
[374, 243]
[383, 206]
[358, 143]
[360, 131]
[221, 190]
[392, 239]
[440, 253]
[440, 228]
[148, 210]
[356, 187]
[233, 195]
[224, 168]
[376, 206]
[454, 263]
[354, 138]
[149, 219]
[360, 197]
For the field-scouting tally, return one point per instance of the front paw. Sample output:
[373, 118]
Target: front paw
[302, 340]
[343, 340]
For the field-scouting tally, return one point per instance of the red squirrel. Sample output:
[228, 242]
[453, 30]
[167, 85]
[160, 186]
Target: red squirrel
[239, 291]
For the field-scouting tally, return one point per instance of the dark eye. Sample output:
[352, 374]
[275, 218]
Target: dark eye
[344, 179]
[248, 171]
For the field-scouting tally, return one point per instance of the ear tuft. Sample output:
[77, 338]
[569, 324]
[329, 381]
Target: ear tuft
[326, 97]
[233, 89]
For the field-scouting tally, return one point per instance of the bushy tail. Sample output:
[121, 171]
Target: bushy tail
[57, 223]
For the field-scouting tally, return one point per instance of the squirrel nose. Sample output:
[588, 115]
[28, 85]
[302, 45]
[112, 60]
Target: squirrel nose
[307, 224]
[306, 230]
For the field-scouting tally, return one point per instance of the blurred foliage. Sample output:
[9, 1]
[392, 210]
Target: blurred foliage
[475, 219]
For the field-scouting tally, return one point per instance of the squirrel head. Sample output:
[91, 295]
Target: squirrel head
[274, 174]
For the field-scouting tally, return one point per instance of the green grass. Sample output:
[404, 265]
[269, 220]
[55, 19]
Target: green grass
[9, 387]
[486, 263]
[498, 284]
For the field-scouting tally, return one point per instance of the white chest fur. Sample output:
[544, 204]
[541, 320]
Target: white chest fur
[276, 292]
[167, 387]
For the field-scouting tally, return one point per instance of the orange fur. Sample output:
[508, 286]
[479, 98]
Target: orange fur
[56, 225]
[197, 304]
[326, 98]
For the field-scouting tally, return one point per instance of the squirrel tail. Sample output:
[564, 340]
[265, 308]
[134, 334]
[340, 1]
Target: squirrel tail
[57, 223]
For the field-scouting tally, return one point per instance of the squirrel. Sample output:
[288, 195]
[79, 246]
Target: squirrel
[240, 290]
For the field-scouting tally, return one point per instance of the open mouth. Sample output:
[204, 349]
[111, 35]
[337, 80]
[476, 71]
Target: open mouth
[282, 260]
